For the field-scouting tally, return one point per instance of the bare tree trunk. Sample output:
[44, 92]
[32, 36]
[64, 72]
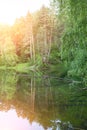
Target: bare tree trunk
[33, 48]
[50, 44]
[45, 44]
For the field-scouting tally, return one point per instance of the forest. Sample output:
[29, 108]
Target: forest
[52, 40]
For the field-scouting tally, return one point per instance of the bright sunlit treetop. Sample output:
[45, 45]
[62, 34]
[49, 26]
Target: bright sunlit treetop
[12, 9]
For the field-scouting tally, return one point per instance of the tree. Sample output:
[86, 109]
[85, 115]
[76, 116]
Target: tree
[17, 34]
[74, 40]
[28, 39]
[43, 30]
[22, 35]
[7, 48]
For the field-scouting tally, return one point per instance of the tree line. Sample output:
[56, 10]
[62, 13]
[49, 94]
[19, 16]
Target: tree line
[74, 38]
[49, 35]
[30, 37]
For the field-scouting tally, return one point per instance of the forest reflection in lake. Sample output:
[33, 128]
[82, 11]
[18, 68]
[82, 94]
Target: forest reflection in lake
[38, 103]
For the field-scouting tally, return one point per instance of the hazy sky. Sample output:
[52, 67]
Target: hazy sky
[12, 9]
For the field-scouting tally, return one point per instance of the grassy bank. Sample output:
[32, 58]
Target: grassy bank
[21, 67]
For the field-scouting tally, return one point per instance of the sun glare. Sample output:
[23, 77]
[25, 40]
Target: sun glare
[12, 9]
[5, 129]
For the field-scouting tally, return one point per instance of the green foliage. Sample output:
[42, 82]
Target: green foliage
[55, 55]
[74, 39]
[37, 63]
[77, 65]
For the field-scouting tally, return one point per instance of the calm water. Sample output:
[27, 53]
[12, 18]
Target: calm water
[41, 103]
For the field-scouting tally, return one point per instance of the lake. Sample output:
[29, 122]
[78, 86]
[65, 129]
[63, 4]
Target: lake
[33, 102]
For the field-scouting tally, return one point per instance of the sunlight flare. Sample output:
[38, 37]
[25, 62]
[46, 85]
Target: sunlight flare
[12, 9]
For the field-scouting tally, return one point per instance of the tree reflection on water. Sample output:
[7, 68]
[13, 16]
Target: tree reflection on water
[51, 104]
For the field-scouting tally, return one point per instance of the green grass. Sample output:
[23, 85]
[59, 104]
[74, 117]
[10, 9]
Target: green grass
[21, 67]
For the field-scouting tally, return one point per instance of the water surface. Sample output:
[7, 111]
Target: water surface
[41, 103]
